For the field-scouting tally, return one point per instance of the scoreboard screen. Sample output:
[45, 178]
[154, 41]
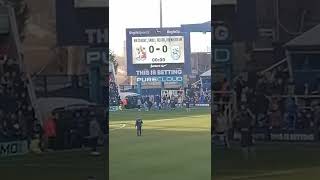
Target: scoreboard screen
[158, 50]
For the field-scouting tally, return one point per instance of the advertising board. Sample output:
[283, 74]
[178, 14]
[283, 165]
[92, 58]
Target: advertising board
[81, 26]
[13, 148]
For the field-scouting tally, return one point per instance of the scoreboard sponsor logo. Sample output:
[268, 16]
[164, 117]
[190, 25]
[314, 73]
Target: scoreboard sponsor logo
[160, 79]
[172, 32]
[134, 33]
[159, 72]
[158, 65]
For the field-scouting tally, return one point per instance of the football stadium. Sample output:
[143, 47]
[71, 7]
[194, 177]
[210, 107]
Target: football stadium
[172, 102]
[176, 104]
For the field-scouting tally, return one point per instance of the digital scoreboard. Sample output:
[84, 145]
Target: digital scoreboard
[152, 51]
[158, 50]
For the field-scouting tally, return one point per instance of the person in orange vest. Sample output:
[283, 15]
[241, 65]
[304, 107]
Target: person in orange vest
[50, 134]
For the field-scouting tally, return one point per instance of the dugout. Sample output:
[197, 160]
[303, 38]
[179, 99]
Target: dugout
[71, 129]
[132, 99]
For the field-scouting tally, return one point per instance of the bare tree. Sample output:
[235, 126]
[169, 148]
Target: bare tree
[21, 10]
[113, 59]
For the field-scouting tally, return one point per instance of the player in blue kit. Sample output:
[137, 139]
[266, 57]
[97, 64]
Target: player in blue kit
[138, 125]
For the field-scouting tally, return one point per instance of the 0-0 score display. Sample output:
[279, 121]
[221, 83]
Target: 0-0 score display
[158, 50]
[164, 50]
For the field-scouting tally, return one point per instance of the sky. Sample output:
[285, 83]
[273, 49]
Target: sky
[146, 14]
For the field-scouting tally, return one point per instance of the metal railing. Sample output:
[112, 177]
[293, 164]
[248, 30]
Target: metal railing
[230, 105]
[44, 84]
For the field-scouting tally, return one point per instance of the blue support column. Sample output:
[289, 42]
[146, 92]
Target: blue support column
[95, 58]
[181, 83]
[228, 73]
[94, 79]
[139, 88]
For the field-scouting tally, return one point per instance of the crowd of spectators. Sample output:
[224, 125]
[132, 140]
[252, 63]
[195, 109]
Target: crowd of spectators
[17, 118]
[199, 97]
[269, 96]
[171, 101]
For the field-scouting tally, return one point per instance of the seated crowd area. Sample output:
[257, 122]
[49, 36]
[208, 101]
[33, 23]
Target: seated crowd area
[17, 117]
[275, 100]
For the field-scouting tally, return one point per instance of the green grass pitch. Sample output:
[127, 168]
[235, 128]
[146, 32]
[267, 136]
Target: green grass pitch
[276, 161]
[73, 165]
[174, 145]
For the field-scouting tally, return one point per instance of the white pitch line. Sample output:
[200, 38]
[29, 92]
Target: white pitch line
[122, 126]
[159, 120]
[124, 123]
[275, 173]
[55, 165]
[272, 173]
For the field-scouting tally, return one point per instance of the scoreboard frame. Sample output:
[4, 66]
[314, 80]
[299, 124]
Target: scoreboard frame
[157, 32]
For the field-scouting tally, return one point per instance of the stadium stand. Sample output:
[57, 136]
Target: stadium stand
[276, 100]
[17, 117]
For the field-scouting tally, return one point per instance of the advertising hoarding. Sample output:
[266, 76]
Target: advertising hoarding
[13, 148]
[81, 26]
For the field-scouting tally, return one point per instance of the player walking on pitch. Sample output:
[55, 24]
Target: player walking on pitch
[138, 125]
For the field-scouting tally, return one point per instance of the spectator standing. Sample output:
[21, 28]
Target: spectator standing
[95, 133]
[291, 113]
[139, 104]
[50, 132]
[275, 116]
